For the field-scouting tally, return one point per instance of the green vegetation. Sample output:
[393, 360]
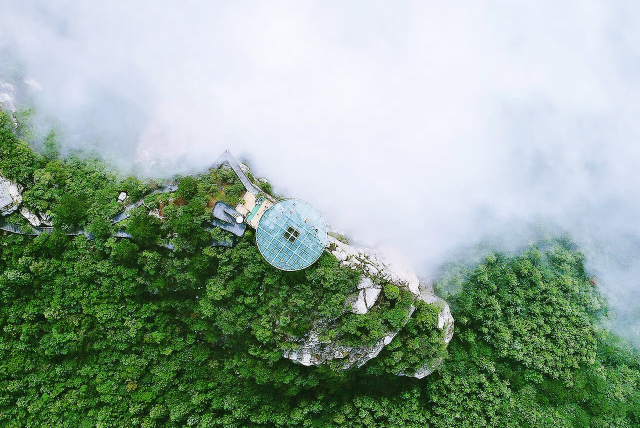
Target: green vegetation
[528, 344]
[116, 332]
[417, 345]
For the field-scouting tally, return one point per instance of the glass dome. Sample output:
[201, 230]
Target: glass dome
[291, 235]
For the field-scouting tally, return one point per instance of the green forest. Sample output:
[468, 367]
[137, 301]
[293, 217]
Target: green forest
[119, 332]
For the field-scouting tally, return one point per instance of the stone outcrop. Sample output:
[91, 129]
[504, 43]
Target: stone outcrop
[33, 219]
[10, 196]
[390, 266]
[10, 200]
[367, 295]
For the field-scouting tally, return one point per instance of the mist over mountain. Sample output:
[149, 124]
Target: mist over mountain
[430, 127]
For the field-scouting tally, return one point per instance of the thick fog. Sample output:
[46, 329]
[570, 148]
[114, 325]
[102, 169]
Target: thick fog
[428, 126]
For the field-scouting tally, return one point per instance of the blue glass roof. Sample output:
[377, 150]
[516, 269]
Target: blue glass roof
[291, 235]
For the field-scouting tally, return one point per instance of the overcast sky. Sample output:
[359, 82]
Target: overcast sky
[425, 125]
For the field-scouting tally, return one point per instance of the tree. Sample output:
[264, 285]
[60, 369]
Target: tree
[144, 228]
[187, 188]
[71, 210]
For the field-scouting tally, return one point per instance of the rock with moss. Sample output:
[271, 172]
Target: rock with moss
[376, 312]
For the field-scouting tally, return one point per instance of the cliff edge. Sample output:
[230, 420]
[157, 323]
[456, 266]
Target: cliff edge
[380, 268]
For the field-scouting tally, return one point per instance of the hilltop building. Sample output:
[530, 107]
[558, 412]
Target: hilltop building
[290, 234]
[254, 202]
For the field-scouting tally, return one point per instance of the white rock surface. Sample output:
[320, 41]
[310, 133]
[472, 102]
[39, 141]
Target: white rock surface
[31, 217]
[360, 305]
[365, 282]
[370, 296]
[122, 196]
[426, 370]
[367, 295]
[386, 261]
[314, 351]
[10, 197]
[10, 200]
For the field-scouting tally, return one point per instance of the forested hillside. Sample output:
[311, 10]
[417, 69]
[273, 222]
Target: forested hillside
[113, 332]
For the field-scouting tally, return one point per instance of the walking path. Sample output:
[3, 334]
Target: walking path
[235, 166]
[222, 213]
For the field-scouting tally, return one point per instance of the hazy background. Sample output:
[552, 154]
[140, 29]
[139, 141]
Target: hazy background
[430, 126]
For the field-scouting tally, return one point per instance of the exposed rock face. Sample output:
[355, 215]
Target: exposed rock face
[367, 296]
[315, 352]
[387, 264]
[31, 217]
[10, 197]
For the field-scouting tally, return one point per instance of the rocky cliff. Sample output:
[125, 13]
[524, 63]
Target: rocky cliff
[378, 266]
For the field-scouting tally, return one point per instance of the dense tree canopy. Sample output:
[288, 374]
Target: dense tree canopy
[114, 332]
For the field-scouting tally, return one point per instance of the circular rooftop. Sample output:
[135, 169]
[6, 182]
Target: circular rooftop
[291, 235]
